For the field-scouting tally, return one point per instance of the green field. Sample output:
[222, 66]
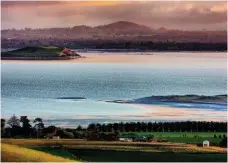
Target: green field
[57, 152]
[178, 134]
[183, 137]
[115, 151]
[135, 156]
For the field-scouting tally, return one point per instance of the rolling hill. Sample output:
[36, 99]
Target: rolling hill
[13, 153]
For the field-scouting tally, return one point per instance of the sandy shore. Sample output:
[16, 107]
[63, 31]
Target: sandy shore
[180, 114]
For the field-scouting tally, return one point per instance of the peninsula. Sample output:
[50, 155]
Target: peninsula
[40, 53]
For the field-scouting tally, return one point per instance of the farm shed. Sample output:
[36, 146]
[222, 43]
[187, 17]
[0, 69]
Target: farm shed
[130, 137]
[55, 137]
[126, 139]
[206, 143]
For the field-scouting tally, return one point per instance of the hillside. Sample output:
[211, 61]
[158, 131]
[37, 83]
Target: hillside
[41, 52]
[122, 30]
[13, 153]
[124, 27]
[177, 98]
[185, 98]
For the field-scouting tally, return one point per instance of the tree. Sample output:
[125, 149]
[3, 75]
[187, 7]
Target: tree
[13, 122]
[144, 126]
[109, 127]
[79, 128]
[115, 127]
[91, 126]
[3, 121]
[138, 127]
[223, 142]
[39, 125]
[98, 127]
[15, 128]
[26, 127]
[103, 128]
[149, 126]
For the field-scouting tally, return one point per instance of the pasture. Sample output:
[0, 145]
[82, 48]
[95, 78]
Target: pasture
[13, 153]
[98, 151]
[183, 137]
[179, 134]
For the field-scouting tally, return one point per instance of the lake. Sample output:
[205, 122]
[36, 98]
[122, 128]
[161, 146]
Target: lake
[33, 88]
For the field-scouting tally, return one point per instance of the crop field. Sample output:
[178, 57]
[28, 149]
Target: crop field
[13, 153]
[123, 151]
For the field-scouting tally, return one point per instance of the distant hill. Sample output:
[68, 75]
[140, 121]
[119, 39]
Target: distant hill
[40, 52]
[117, 35]
[121, 29]
[176, 99]
[184, 98]
[124, 27]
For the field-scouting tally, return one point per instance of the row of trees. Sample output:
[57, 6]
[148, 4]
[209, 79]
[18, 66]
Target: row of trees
[165, 45]
[21, 127]
[188, 126]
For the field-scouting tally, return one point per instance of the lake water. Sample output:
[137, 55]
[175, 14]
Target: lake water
[32, 88]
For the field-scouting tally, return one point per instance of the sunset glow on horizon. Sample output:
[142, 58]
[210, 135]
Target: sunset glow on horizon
[155, 14]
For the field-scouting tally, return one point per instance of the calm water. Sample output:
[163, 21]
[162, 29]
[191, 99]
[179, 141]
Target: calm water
[32, 88]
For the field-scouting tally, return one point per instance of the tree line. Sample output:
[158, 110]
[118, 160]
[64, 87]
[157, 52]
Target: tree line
[23, 127]
[187, 126]
[119, 44]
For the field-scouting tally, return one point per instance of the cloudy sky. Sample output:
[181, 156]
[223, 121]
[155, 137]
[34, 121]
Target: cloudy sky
[173, 15]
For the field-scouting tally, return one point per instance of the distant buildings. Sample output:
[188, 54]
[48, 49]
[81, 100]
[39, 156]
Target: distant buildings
[67, 52]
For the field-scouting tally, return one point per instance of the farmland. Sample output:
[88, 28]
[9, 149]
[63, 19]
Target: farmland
[183, 137]
[13, 153]
[123, 151]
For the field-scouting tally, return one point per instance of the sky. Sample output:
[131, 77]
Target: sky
[186, 15]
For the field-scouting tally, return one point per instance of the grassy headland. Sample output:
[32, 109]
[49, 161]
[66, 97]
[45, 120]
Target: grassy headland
[39, 53]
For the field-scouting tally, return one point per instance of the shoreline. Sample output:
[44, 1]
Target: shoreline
[191, 60]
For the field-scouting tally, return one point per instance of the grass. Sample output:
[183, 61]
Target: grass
[53, 151]
[178, 137]
[99, 151]
[13, 153]
[179, 134]
[83, 144]
[41, 51]
[135, 156]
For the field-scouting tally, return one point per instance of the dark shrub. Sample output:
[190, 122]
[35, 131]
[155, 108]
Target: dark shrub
[65, 134]
[214, 144]
[199, 144]
[223, 143]
[215, 136]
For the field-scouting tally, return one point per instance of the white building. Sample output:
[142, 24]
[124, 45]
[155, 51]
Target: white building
[55, 137]
[206, 143]
[126, 139]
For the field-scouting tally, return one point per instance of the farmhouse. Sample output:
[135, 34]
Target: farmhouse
[67, 52]
[52, 135]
